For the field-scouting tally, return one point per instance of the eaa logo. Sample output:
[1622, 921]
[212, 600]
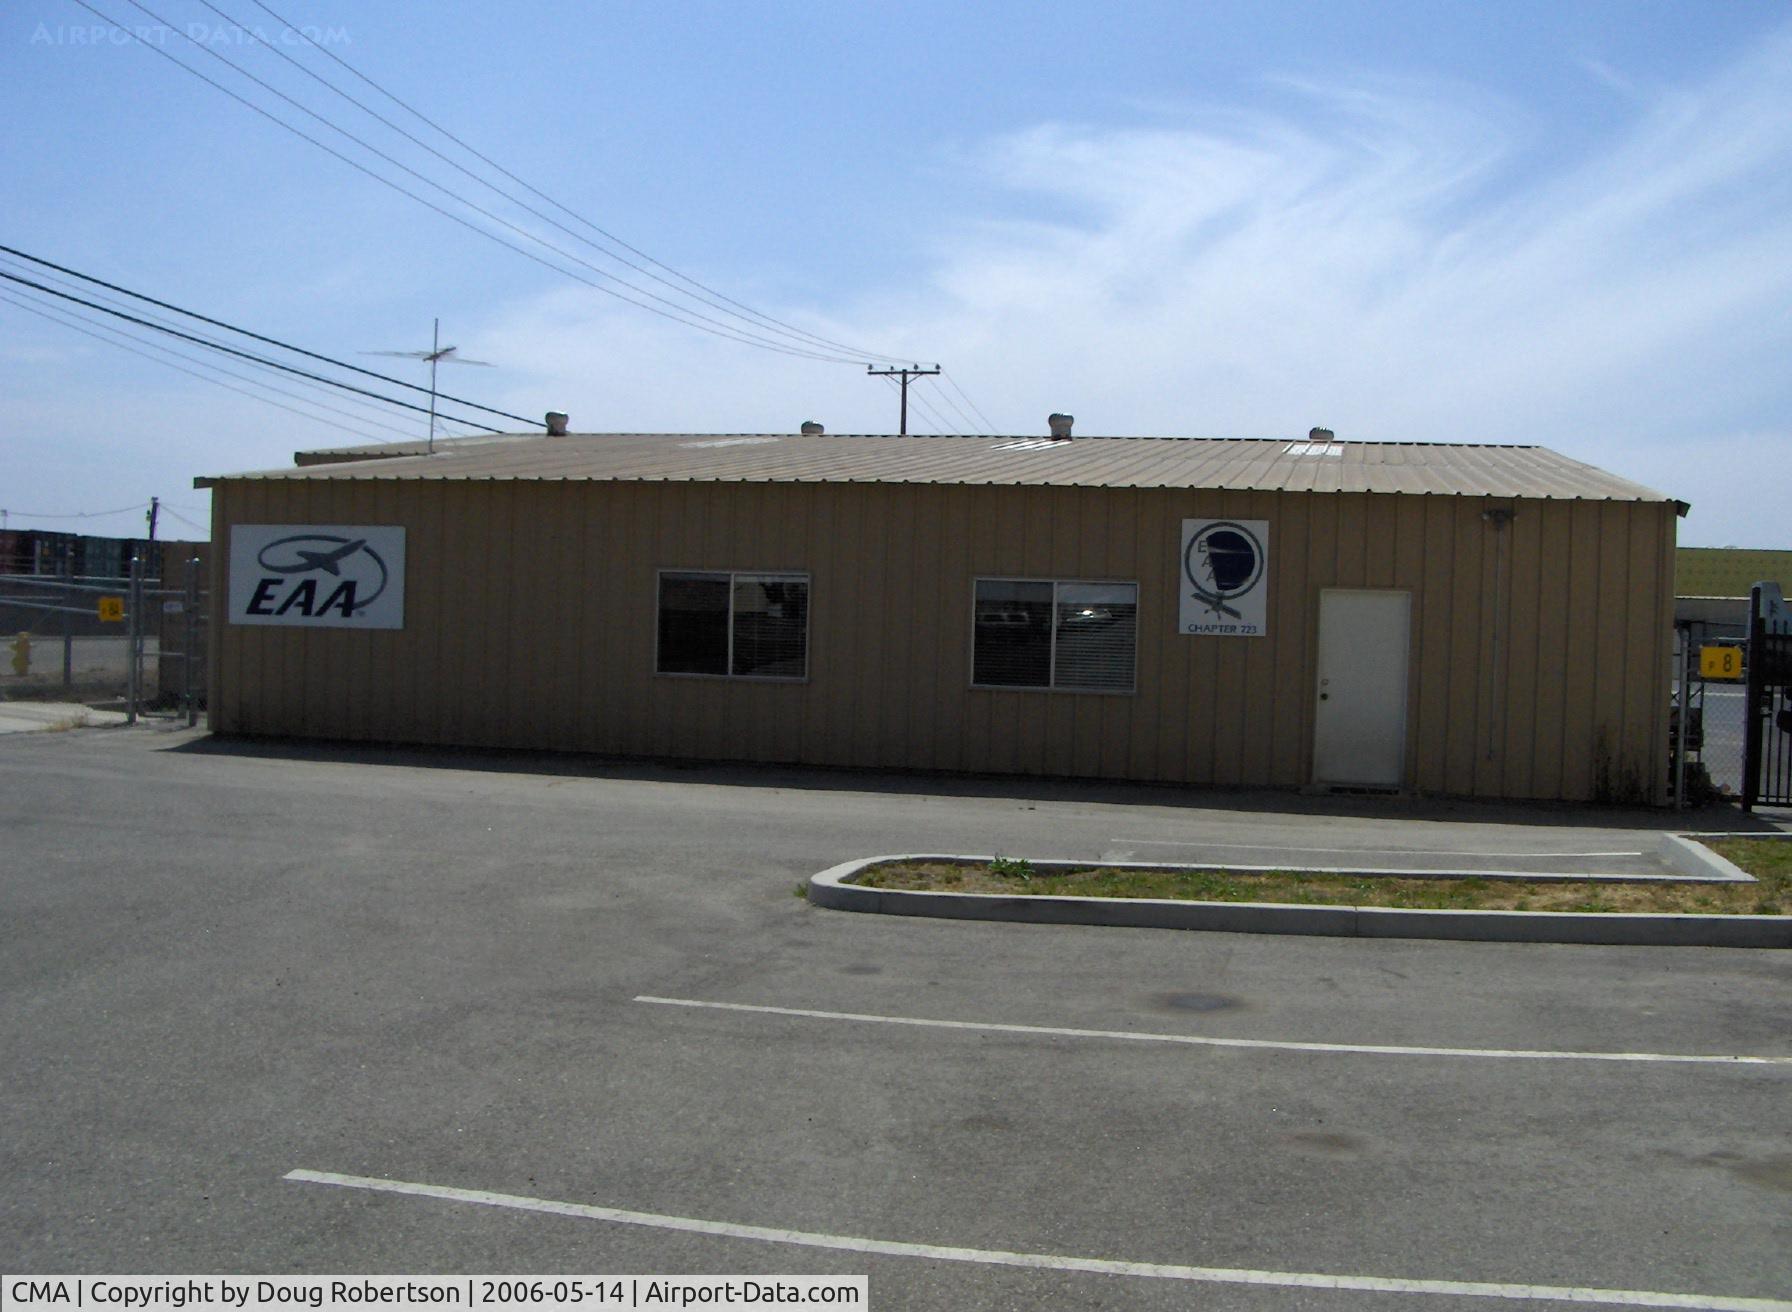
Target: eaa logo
[1222, 562]
[318, 574]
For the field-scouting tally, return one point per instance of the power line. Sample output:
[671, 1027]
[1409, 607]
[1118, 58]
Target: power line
[228, 350]
[607, 235]
[95, 333]
[970, 425]
[703, 294]
[271, 341]
[940, 424]
[83, 514]
[932, 417]
[183, 519]
[74, 319]
[453, 195]
[689, 318]
[953, 384]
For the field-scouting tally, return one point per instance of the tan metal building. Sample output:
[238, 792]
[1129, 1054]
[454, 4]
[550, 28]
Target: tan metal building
[1487, 621]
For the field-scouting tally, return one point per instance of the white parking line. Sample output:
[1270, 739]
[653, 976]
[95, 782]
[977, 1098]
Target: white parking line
[1199, 1040]
[1046, 1261]
[1359, 851]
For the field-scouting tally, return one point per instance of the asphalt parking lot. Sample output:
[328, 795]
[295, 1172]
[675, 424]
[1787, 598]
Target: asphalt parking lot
[286, 1009]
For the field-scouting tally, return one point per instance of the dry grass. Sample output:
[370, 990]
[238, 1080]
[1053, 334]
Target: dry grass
[1773, 896]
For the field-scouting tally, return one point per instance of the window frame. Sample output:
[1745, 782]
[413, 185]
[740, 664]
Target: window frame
[1052, 686]
[731, 575]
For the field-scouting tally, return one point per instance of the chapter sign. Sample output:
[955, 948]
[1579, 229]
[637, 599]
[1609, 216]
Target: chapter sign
[319, 576]
[1225, 578]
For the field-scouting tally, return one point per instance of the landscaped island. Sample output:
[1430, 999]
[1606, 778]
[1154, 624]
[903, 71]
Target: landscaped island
[1770, 862]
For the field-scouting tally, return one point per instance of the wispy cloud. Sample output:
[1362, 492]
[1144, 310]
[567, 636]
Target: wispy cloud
[1394, 261]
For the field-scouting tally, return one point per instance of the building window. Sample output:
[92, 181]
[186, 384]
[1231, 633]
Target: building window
[1034, 633]
[749, 626]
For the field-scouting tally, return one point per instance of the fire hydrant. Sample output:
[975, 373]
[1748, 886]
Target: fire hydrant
[21, 654]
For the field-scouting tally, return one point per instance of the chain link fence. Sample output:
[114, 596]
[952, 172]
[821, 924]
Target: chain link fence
[134, 643]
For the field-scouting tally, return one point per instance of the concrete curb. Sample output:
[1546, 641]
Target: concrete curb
[833, 888]
[53, 717]
[1684, 853]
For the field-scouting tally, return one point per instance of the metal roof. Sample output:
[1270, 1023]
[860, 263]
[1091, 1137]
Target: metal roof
[1249, 464]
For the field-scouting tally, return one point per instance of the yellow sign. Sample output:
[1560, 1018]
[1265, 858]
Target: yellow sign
[111, 608]
[1720, 662]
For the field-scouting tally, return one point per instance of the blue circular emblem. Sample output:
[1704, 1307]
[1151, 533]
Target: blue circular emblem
[1223, 561]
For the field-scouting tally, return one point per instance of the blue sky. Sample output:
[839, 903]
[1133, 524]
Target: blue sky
[1519, 222]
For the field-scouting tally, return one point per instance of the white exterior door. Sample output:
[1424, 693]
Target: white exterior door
[1359, 729]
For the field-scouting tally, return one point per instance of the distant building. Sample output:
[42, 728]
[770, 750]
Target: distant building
[1727, 571]
[1485, 621]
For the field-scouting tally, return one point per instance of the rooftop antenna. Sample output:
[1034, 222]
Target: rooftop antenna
[435, 355]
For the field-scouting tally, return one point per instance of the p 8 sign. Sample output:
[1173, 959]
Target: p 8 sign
[1720, 662]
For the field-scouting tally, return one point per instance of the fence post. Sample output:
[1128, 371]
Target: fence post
[1752, 700]
[190, 641]
[134, 641]
[68, 626]
[1684, 730]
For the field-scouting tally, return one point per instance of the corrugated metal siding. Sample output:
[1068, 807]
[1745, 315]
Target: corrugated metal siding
[530, 622]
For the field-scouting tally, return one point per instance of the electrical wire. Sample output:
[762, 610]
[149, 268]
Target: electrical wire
[941, 425]
[919, 407]
[83, 514]
[689, 318]
[967, 400]
[183, 519]
[705, 295]
[430, 182]
[608, 236]
[109, 339]
[919, 403]
[271, 341]
[679, 312]
[228, 350]
[970, 424]
[380, 422]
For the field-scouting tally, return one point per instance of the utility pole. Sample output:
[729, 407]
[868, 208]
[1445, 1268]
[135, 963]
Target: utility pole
[905, 374]
[155, 507]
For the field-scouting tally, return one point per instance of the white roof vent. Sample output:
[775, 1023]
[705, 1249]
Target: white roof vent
[1060, 426]
[556, 421]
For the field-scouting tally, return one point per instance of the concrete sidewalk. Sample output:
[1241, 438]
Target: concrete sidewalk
[40, 717]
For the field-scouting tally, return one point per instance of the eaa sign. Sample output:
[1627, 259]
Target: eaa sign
[1225, 578]
[317, 576]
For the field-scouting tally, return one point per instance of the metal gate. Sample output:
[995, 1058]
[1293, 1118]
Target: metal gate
[1767, 752]
[135, 641]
